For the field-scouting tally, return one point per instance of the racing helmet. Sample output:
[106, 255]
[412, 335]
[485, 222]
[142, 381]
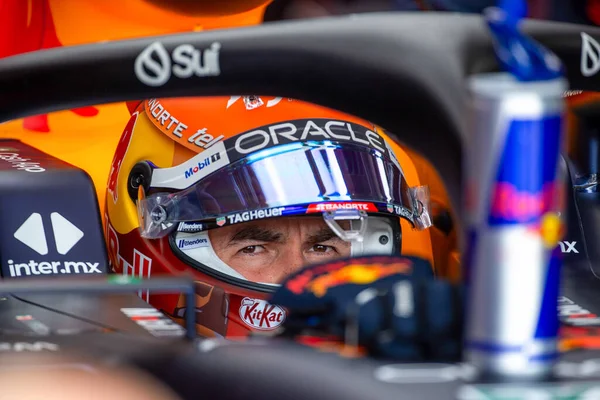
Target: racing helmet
[186, 167]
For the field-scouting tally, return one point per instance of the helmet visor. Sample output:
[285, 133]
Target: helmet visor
[290, 179]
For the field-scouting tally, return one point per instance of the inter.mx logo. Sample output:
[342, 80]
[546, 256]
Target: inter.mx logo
[32, 233]
[568, 247]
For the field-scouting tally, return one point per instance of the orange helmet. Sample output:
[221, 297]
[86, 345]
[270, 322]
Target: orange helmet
[185, 168]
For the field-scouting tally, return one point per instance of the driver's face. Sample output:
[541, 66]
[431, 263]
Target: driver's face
[269, 250]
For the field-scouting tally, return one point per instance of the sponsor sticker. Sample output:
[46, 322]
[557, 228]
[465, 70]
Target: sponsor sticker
[192, 242]
[169, 123]
[203, 139]
[252, 102]
[154, 322]
[401, 211]
[161, 116]
[253, 215]
[31, 233]
[154, 66]
[52, 268]
[324, 207]
[190, 227]
[201, 165]
[261, 315]
[303, 130]
[186, 174]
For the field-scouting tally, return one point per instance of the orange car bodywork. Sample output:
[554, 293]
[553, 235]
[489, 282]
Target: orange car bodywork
[87, 137]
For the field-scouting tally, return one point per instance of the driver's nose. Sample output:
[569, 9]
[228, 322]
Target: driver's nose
[291, 261]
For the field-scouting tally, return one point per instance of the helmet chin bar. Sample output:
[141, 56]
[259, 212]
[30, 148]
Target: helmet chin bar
[350, 235]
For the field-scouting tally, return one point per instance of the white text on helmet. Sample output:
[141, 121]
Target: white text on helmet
[256, 214]
[161, 115]
[192, 243]
[189, 227]
[287, 132]
[201, 138]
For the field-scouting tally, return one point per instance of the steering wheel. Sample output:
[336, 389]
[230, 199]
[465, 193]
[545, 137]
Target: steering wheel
[403, 71]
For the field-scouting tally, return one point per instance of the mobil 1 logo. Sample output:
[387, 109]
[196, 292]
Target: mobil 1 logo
[47, 245]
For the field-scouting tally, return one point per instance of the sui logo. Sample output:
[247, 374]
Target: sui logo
[526, 187]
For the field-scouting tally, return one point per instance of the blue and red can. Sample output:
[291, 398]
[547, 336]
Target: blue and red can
[514, 209]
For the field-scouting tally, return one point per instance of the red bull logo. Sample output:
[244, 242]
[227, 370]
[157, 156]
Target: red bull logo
[510, 205]
[141, 265]
[526, 184]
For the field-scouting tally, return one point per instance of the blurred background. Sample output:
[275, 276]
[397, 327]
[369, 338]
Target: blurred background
[578, 11]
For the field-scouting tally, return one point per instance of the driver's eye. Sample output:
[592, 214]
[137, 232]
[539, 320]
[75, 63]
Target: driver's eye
[251, 249]
[320, 248]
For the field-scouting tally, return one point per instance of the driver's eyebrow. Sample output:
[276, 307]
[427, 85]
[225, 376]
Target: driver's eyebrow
[256, 233]
[322, 235]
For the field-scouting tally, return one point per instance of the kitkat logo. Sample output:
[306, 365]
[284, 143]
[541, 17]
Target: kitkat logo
[510, 205]
[120, 153]
[261, 315]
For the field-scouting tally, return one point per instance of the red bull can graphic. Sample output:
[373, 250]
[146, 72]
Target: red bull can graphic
[514, 206]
